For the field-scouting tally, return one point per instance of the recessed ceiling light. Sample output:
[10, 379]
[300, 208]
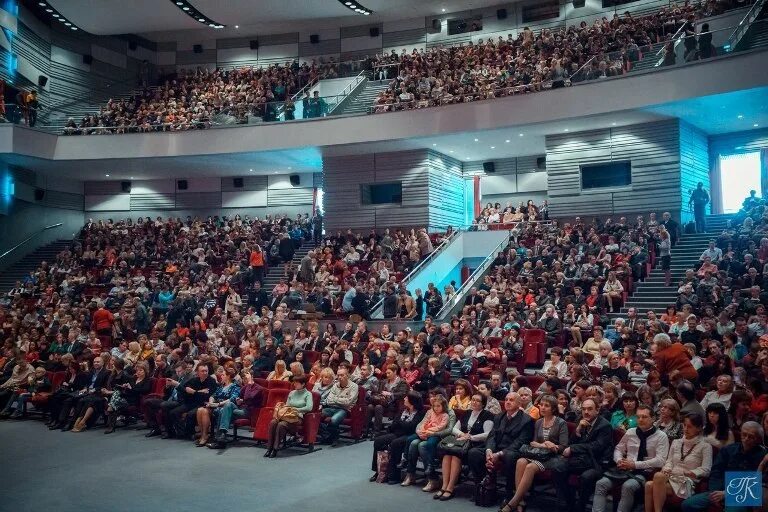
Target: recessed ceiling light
[755, 125]
[179, 3]
[565, 130]
[613, 124]
[41, 3]
[451, 151]
[74, 28]
[521, 134]
[740, 116]
[201, 19]
[49, 10]
[493, 147]
[62, 20]
[466, 158]
[55, 15]
[433, 144]
[290, 168]
[477, 140]
[68, 24]
[443, 10]
[507, 141]
[185, 8]
[107, 175]
[131, 177]
[237, 26]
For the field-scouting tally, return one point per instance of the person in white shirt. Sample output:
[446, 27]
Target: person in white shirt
[644, 448]
[714, 253]
[555, 361]
[722, 394]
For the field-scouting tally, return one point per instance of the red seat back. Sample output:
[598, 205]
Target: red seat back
[535, 336]
[276, 395]
[57, 379]
[278, 384]
[310, 356]
[159, 386]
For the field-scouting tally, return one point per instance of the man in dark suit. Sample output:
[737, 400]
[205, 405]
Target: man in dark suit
[512, 428]
[590, 445]
[257, 297]
[95, 380]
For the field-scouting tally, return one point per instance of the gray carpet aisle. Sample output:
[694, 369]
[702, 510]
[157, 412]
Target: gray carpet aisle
[62, 472]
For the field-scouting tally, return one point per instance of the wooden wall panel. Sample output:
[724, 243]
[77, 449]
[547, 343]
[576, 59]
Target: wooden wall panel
[653, 150]
[694, 164]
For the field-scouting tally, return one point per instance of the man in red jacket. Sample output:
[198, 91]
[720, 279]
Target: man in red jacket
[102, 322]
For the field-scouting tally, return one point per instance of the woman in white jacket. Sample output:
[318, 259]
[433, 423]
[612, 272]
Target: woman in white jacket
[689, 461]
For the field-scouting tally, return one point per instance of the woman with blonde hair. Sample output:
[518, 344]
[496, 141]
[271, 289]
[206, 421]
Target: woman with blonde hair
[669, 418]
[296, 369]
[280, 372]
[133, 355]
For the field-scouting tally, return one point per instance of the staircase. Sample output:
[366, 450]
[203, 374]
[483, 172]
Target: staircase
[29, 263]
[361, 103]
[757, 34]
[651, 293]
[275, 272]
[649, 60]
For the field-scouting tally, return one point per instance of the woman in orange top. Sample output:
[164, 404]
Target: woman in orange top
[672, 359]
[257, 264]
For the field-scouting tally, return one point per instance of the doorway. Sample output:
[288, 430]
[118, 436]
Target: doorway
[739, 174]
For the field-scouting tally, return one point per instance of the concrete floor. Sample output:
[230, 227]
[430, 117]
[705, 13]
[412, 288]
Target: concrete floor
[61, 472]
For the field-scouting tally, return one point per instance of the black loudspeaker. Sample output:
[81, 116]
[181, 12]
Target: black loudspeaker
[237, 182]
[579, 3]
[489, 167]
[295, 180]
[39, 194]
[125, 186]
[42, 80]
[198, 48]
[374, 31]
[436, 25]
[501, 14]
[314, 38]
[254, 44]
[87, 59]
[541, 162]
[182, 185]
[132, 45]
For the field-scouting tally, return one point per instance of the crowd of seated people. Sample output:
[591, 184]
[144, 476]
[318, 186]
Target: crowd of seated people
[191, 100]
[349, 273]
[531, 62]
[655, 408]
[493, 213]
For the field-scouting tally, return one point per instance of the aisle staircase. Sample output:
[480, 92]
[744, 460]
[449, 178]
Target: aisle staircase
[651, 293]
[275, 272]
[365, 98]
[29, 263]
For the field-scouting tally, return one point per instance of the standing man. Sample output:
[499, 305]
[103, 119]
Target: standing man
[699, 199]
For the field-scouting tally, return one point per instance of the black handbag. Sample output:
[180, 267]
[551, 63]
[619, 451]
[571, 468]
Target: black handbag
[449, 445]
[485, 492]
[540, 454]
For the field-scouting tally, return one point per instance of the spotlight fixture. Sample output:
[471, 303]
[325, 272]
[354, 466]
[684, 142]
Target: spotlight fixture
[41, 4]
[740, 116]
[107, 175]
[507, 141]
[191, 10]
[355, 6]
[477, 140]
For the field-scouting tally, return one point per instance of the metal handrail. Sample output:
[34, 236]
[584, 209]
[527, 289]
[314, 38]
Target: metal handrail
[576, 73]
[676, 38]
[30, 237]
[423, 262]
[471, 279]
[744, 25]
